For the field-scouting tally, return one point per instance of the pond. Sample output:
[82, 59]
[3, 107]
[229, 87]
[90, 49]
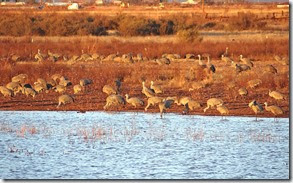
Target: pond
[101, 145]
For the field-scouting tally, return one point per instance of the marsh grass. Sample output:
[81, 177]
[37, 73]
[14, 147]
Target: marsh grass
[148, 47]
[80, 24]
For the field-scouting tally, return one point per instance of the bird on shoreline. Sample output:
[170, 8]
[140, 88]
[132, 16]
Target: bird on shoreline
[223, 110]
[256, 107]
[274, 109]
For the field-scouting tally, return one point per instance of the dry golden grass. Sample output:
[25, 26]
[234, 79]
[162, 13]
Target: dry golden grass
[150, 47]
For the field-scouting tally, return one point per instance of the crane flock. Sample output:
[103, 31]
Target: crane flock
[59, 84]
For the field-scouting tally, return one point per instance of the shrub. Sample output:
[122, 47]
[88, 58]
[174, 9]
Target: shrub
[134, 26]
[129, 26]
[245, 21]
[189, 35]
[53, 24]
[166, 27]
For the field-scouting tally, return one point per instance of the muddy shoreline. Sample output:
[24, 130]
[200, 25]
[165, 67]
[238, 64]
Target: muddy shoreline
[90, 102]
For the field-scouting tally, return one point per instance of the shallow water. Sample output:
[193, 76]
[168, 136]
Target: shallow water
[99, 145]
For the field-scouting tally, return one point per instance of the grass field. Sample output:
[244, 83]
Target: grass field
[259, 45]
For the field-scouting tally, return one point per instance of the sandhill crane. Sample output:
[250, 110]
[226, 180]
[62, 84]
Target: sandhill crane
[73, 59]
[183, 100]
[246, 61]
[256, 107]
[111, 57]
[38, 87]
[114, 100]
[165, 104]
[21, 78]
[274, 109]
[226, 59]
[157, 88]
[176, 56]
[95, 56]
[188, 103]
[200, 61]
[29, 91]
[270, 69]
[42, 82]
[242, 91]
[127, 58]
[197, 86]
[64, 81]
[162, 61]
[223, 110]
[240, 67]
[64, 99]
[152, 101]
[135, 101]
[254, 83]
[276, 95]
[148, 92]
[109, 90]
[189, 56]
[84, 82]
[6, 92]
[77, 89]
[171, 56]
[60, 88]
[53, 56]
[139, 57]
[51, 83]
[213, 102]
[39, 57]
[15, 58]
[85, 56]
[56, 77]
[208, 68]
[65, 58]
[191, 105]
[226, 54]
[14, 87]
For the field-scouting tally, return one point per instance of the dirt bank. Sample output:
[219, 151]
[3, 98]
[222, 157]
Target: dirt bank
[172, 77]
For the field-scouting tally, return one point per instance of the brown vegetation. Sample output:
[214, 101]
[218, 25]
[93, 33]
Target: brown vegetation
[53, 24]
[26, 49]
[35, 27]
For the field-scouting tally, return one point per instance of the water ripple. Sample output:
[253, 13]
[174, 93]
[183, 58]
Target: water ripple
[98, 145]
